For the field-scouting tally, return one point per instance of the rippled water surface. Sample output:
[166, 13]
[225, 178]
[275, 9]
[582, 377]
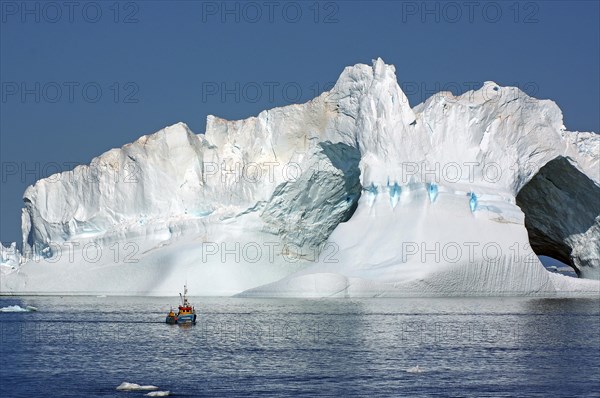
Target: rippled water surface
[496, 347]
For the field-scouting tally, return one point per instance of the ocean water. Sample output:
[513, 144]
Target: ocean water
[476, 347]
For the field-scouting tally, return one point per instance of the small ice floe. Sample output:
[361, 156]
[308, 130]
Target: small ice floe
[136, 387]
[415, 369]
[16, 308]
[158, 394]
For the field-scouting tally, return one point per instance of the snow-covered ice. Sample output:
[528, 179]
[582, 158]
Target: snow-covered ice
[353, 193]
[415, 369]
[17, 308]
[158, 394]
[125, 386]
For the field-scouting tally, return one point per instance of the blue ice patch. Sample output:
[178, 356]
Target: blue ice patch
[473, 202]
[433, 192]
[394, 194]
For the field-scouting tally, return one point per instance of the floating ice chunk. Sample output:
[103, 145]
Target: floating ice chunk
[433, 192]
[415, 369]
[158, 394]
[16, 308]
[473, 202]
[125, 386]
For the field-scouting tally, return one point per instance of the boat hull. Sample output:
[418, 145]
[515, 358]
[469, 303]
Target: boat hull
[186, 319]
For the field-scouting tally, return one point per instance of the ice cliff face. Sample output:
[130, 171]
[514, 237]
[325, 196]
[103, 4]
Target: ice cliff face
[366, 195]
[9, 258]
[305, 211]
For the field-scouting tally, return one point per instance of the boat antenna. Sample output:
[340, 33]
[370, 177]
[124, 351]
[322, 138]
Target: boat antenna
[184, 297]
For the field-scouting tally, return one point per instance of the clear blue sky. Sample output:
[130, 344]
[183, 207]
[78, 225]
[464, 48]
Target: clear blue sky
[173, 60]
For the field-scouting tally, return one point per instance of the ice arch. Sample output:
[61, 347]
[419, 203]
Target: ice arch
[562, 216]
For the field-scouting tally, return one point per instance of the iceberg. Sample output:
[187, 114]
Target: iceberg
[415, 369]
[286, 203]
[17, 308]
[126, 386]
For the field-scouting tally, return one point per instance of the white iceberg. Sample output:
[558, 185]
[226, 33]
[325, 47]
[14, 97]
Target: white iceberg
[17, 308]
[125, 386]
[354, 193]
[415, 369]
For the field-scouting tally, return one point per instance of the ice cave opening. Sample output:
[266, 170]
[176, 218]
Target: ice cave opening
[562, 216]
[557, 266]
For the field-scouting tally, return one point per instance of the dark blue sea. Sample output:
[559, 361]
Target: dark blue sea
[490, 347]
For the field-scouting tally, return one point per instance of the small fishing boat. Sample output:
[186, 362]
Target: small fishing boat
[186, 314]
[171, 317]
